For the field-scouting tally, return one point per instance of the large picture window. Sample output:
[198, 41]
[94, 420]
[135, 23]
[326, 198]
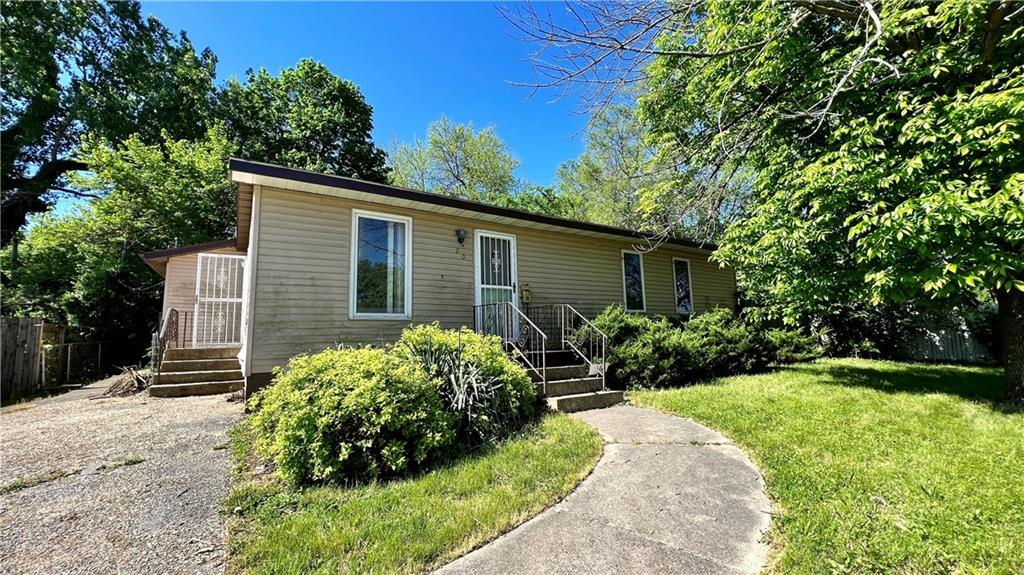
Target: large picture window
[684, 289]
[633, 281]
[381, 275]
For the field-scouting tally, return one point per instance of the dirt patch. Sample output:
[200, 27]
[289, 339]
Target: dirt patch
[114, 485]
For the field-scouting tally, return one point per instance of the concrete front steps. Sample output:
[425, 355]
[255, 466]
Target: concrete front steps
[571, 387]
[198, 371]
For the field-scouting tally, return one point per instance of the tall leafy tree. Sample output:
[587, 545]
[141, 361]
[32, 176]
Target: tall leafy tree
[305, 117]
[99, 68]
[626, 183]
[885, 137]
[83, 268]
[458, 160]
[610, 171]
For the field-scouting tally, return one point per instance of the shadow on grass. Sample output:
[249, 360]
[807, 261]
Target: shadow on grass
[974, 383]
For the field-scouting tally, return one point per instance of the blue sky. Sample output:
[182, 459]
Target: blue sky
[413, 62]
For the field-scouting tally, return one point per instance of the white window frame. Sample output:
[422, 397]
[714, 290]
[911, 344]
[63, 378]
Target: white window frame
[643, 281]
[354, 261]
[689, 276]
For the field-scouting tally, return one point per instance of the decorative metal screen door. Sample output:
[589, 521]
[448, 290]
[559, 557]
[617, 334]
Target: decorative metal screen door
[496, 280]
[218, 316]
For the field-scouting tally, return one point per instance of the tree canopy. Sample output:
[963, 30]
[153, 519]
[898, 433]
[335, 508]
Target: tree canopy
[84, 267]
[98, 68]
[305, 117]
[885, 138]
[457, 160]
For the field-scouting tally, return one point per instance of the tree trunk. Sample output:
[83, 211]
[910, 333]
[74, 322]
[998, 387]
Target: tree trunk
[1011, 316]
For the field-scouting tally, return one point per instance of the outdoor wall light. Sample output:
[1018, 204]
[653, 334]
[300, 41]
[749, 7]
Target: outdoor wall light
[460, 234]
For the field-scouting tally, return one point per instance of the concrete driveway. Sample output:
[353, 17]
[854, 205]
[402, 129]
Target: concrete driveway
[667, 496]
[118, 485]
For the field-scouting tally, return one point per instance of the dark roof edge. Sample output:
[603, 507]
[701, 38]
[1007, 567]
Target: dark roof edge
[274, 171]
[182, 250]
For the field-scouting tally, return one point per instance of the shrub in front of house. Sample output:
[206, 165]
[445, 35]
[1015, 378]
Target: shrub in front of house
[371, 413]
[792, 345]
[725, 345]
[487, 393]
[644, 352]
[659, 356]
[351, 413]
[650, 353]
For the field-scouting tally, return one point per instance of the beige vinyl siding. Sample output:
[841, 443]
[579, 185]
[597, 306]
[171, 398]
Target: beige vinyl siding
[243, 205]
[301, 286]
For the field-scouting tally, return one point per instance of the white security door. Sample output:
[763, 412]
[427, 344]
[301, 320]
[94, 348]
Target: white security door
[495, 280]
[218, 315]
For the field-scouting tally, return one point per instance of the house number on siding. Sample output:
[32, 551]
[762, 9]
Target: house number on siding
[461, 252]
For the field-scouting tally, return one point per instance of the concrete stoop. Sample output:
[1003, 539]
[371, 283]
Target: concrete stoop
[570, 386]
[198, 371]
[585, 401]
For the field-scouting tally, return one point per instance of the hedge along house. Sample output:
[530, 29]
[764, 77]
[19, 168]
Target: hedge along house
[323, 260]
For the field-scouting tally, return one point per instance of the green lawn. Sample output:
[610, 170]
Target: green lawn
[876, 467]
[412, 525]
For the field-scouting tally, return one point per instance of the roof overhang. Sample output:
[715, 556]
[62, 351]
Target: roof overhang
[248, 173]
[158, 259]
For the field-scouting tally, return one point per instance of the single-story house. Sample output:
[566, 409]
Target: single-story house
[320, 260]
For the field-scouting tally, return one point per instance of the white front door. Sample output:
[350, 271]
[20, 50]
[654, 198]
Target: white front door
[495, 267]
[218, 314]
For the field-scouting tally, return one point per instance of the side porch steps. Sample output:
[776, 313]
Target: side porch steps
[570, 386]
[198, 371]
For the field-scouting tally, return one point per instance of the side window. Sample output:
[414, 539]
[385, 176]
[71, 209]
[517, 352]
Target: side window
[684, 288]
[633, 281]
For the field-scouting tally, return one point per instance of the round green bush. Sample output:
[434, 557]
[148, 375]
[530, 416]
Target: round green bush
[355, 413]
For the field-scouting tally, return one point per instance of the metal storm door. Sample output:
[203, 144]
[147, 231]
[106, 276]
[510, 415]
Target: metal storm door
[218, 316]
[496, 281]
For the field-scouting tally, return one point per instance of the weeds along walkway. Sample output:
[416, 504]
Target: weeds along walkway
[668, 496]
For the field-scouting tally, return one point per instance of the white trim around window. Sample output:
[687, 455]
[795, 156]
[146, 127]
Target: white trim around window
[689, 282]
[354, 261]
[643, 281]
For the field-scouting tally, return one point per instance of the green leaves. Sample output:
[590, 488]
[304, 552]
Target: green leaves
[83, 268]
[306, 117]
[458, 160]
[909, 188]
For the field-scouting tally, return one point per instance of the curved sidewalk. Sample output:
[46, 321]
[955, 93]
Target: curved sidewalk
[668, 496]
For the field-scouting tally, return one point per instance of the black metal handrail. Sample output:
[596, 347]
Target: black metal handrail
[167, 335]
[517, 334]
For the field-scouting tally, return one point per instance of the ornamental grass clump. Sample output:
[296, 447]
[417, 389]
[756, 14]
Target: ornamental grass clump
[488, 393]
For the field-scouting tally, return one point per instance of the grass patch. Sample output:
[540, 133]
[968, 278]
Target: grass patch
[26, 482]
[876, 467]
[405, 526]
[130, 460]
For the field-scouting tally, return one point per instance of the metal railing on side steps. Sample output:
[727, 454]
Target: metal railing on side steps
[173, 334]
[575, 332]
[517, 332]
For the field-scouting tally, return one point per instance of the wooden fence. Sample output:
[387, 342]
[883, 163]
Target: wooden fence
[21, 338]
[37, 355]
[951, 344]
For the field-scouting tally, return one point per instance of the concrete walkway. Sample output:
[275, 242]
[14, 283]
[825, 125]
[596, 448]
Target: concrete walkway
[668, 496]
